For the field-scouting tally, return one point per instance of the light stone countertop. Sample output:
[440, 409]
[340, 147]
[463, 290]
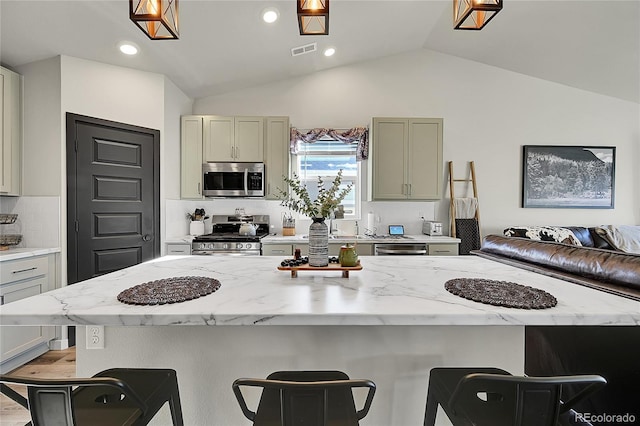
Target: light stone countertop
[389, 290]
[179, 239]
[25, 252]
[303, 239]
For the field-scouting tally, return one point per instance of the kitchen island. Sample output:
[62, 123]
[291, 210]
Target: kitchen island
[390, 322]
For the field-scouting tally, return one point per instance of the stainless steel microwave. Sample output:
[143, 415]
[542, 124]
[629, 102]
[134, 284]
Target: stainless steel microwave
[233, 179]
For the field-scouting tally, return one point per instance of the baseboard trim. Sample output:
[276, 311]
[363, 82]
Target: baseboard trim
[59, 344]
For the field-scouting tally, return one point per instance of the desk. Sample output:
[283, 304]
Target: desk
[390, 322]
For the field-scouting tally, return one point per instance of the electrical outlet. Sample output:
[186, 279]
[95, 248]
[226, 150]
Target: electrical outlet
[95, 336]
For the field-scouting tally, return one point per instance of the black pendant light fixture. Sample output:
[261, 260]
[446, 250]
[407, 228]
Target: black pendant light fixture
[474, 14]
[313, 17]
[158, 19]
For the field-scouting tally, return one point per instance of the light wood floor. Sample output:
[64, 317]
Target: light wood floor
[53, 364]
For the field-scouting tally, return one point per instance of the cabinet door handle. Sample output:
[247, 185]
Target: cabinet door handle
[24, 270]
[237, 151]
[199, 188]
[409, 189]
[278, 251]
[232, 150]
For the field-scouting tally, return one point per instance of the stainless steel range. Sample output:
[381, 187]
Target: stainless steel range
[237, 235]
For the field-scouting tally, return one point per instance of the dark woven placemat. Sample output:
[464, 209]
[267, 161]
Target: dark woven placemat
[500, 293]
[169, 290]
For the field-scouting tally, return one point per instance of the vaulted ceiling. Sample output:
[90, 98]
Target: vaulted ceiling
[225, 46]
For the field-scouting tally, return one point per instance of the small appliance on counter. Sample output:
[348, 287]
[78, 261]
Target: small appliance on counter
[430, 227]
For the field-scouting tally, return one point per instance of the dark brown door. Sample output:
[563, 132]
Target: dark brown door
[113, 192]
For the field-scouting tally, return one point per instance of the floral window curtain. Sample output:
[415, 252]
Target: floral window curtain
[356, 135]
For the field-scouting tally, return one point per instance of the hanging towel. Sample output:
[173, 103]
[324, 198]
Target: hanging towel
[465, 207]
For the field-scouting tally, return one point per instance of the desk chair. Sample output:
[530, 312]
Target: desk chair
[119, 396]
[309, 398]
[493, 397]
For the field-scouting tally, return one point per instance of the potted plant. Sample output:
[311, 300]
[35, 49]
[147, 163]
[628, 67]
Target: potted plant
[299, 200]
[197, 218]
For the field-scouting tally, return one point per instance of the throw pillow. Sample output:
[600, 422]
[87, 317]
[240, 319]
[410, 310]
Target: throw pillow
[543, 233]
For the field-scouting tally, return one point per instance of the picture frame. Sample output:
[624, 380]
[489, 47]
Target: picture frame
[567, 176]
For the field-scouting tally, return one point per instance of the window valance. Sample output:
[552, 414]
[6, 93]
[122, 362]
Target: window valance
[356, 135]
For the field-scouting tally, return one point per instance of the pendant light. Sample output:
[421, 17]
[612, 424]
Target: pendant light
[474, 14]
[158, 19]
[313, 17]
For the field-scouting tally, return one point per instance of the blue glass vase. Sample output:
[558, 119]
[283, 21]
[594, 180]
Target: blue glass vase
[318, 243]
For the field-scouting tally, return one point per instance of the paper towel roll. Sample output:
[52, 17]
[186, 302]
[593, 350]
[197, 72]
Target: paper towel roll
[371, 223]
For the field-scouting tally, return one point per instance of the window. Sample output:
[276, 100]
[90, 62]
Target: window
[325, 158]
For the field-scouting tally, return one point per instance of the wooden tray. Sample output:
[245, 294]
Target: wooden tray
[331, 267]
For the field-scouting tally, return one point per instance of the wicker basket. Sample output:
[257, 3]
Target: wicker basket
[10, 239]
[7, 218]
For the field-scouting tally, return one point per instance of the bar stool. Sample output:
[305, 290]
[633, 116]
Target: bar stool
[119, 396]
[310, 398]
[493, 397]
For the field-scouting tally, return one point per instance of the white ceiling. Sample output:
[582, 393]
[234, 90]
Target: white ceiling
[225, 46]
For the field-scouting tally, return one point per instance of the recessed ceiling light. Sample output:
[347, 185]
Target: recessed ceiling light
[270, 15]
[329, 51]
[128, 48]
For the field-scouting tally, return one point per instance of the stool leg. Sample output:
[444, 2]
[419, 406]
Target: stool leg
[174, 403]
[431, 410]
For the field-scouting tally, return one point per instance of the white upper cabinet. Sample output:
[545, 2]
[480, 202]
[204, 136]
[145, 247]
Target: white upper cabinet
[233, 139]
[10, 131]
[276, 155]
[191, 156]
[407, 159]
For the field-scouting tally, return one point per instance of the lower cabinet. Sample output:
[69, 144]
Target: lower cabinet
[277, 250]
[20, 279]
[442, 249]
[334, 249]
[178, 248]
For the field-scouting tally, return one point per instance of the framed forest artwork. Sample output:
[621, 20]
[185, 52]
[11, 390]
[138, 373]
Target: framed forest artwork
[568, 176]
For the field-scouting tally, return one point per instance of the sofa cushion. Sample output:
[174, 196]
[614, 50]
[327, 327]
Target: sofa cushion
[599, 241]
[625, 238]
[543, 233]
[583, 234]
[602, 265]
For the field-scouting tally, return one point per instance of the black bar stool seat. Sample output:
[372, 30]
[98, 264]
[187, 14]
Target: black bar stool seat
[493, 397]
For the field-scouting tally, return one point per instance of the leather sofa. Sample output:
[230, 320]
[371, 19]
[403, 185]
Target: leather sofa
[602, 268]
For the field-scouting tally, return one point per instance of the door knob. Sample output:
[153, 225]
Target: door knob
[146, 237]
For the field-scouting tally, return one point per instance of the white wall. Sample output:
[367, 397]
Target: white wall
[64, 84]
[42, 153]
[489, 113]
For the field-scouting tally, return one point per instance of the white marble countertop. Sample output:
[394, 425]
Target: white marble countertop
[420, 238]
[179, 239]
[389, 290]
[24, 252]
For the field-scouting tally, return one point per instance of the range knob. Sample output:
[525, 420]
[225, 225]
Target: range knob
[239, 245]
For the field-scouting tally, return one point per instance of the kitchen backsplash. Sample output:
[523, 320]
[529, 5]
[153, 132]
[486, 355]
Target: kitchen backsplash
[38, 220]
[385, 213]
